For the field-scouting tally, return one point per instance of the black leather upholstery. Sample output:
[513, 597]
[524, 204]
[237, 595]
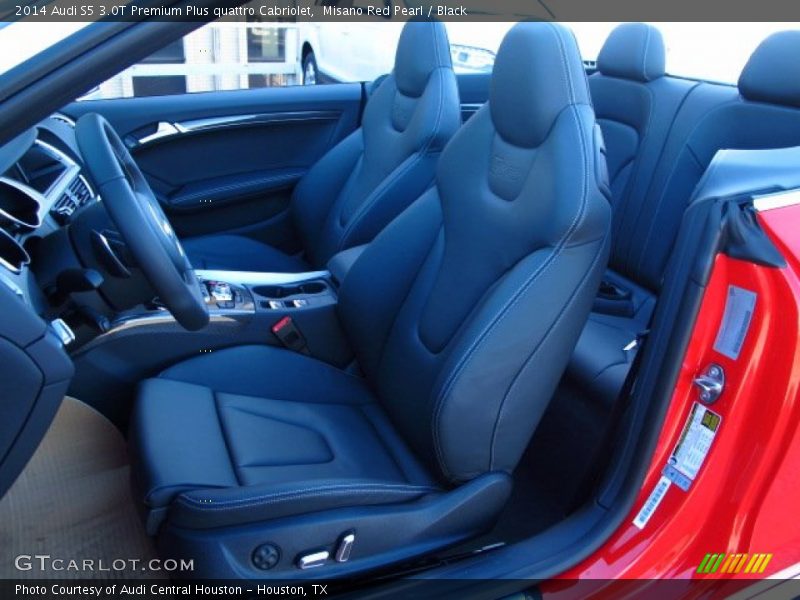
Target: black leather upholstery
[636, 106]
[494, 242]
[667, 132]
[237, 252]
[261, 422]
[772, 73]
[373, 174]
[463, 313]
[633, 51]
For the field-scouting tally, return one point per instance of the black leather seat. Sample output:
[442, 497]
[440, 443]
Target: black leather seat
[635, 106]
[685, 133]
[371, 176]
[462, 313]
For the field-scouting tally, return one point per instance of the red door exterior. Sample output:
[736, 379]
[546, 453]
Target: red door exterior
[745, 496]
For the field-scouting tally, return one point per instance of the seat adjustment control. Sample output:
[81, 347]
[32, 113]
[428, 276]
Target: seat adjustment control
[314, 559]
[345, 547]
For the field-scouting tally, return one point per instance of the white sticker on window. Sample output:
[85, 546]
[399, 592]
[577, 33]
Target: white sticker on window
[650, 506]
[735, 322]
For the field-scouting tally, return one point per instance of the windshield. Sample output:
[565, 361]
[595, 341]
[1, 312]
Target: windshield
[709, 51]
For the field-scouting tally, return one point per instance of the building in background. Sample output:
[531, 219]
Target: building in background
[223, 55]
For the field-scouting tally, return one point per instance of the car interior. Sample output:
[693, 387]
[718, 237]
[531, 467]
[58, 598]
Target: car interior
[360, 330]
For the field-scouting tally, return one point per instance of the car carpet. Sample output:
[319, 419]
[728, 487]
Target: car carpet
[73, 501]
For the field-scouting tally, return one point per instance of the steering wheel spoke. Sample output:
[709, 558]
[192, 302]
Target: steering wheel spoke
[141, 221]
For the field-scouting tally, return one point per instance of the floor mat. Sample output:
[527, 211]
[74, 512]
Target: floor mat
[73, 502]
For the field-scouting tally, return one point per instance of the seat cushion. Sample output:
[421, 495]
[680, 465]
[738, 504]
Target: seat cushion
[255, 433]
[600, 362]
[240, 253]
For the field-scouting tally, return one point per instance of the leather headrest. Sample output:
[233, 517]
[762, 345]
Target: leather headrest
[423, 48]
[538, 72]
[772, 74]
[633, 51]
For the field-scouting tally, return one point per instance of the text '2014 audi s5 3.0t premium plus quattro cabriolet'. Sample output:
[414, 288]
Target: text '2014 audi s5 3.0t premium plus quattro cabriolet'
[513, 316]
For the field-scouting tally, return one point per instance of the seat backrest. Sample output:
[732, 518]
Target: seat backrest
[464, 311]
[635, 106]
[764, 112]
[375, 173]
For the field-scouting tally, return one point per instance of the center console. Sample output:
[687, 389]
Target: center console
[295, 311]
[275, 294]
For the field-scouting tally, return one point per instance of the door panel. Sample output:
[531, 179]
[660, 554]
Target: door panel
[228, 161]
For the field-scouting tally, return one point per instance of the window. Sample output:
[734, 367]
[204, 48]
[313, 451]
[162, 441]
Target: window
[222, 55]
[149, 85]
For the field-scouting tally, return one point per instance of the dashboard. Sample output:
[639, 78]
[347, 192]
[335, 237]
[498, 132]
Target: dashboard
[43, 190]
[45, 175]
[42, 187]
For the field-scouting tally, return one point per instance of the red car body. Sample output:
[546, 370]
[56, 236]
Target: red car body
[744, 498]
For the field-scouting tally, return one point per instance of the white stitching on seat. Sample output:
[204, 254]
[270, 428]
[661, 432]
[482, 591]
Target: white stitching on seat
[549, 260]
[267, 499]
[360, 212]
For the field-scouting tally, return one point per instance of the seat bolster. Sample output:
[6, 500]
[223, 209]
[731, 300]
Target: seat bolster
[176, 442]
[203, 509]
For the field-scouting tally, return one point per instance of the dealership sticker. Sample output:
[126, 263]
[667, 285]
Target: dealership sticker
[735, 322]
[693, 446]
[650, 506]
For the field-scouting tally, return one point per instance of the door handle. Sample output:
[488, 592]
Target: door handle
[167, 129]
[163, 129]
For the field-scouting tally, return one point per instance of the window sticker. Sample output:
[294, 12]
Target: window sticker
[735, 322]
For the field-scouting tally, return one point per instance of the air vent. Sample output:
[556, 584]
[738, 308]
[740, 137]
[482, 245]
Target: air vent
[63, 119]
[19, 206]
[75, 196]
[12, 256]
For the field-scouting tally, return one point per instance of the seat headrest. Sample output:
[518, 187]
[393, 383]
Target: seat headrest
[772, 74]
[538, 72]
[423, 48]
[633, 51]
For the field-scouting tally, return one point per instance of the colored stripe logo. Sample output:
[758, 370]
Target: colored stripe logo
[734, 563]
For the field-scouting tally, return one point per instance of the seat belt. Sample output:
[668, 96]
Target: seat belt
[289, 335]
[618, 408]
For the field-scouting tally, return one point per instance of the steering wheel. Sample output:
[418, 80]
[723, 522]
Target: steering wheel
[140, 220]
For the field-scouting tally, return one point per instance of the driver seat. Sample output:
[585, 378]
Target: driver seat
[258, 462]
[368, 178]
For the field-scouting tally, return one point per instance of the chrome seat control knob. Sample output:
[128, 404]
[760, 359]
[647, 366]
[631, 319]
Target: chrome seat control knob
[314, 559]
[345, 547]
